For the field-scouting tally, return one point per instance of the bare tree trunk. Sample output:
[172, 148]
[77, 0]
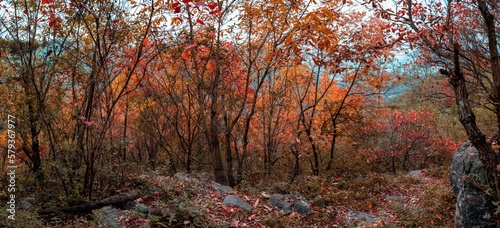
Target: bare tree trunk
[229, 156]
[229, 159]
[87, 207]
[125, 121]
[468, 119]
[489, 21]
[332, 146]
[296, 167]
[315, 165]
[34, 151]
[217, 164]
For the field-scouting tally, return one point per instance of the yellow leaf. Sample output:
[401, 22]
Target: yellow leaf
[329, 14]
[256, 203]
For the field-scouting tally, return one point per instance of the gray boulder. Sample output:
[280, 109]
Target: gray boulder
[109, 217]
[394, 198]
[415, 173]
[474, 208]
[216, 187]
[138, 207]
[234, 200]
[300, 204]
[278, 201]
[26, 204]
[360, 217]
[290, 202]
[220, 188]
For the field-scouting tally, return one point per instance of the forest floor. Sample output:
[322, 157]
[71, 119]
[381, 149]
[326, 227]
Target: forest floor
[416, 199]
[419, 199]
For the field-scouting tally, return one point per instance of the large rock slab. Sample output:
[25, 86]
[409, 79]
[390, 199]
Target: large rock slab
[474, 208]
[235, 200]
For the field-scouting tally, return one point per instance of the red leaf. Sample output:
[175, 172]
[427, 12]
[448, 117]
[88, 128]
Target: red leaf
[212, 5]
[47, 1]
[53, 20]
[26, 12]
[176, 5]
[177, 10]
[52, 23]
[185, 55]
[187, 1]
[215, 12]
[200, 22]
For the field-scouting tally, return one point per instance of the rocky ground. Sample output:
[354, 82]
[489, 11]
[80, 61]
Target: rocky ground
[417, 199]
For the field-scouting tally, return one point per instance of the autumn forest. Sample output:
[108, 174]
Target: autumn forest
[164, 101]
